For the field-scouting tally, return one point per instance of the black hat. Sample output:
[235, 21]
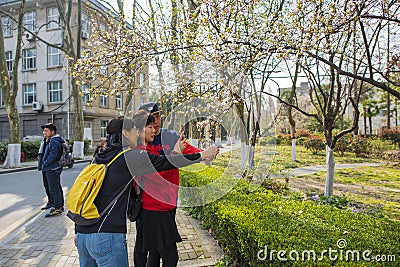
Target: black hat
[49, 126]
[150, 107]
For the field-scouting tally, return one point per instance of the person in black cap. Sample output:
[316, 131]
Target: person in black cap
[50, 201]
[104, 243]
[156, 230]
[52, 169]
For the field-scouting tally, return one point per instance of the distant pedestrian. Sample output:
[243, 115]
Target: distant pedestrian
[52, 168]
[50, 201]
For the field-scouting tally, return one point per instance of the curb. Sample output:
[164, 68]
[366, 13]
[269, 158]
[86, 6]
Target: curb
[20, 169]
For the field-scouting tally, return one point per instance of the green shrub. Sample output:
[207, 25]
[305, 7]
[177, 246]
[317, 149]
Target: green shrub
[343, 144]
[246, 222]
[285, 139]
[378, 146]
[360, 146]
[392, 134]
[299, 134]
[300, 141]
[270, 140]
[315, 144]
[3, 151]
[31, 149]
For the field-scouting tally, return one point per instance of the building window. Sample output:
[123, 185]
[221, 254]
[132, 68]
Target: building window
[103, 127]
[55, 91]
[9, 61]
[118, 99]
[103, 68]
[29, 59]
[53, 18]
[1, 99]
[7, 26]
[85, 26]
[30, 20]
[104, 100]
[29, 93]
[85, 93]
[53, 57]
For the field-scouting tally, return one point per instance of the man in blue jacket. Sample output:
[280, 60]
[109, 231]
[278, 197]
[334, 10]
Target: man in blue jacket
[52, 168]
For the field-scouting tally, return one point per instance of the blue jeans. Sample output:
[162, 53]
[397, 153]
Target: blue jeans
[54, 182]
[102, 249]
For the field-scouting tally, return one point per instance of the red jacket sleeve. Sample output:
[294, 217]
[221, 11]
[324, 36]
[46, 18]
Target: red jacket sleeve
[191, 149]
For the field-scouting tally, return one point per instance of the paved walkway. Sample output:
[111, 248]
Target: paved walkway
[49, 242]
[314, 169]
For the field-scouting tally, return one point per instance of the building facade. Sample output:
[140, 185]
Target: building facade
[44, 86]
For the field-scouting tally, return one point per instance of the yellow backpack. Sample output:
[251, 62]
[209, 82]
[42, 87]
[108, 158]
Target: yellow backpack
[81, 196]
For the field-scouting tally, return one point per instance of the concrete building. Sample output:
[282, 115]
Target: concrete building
[43, 83]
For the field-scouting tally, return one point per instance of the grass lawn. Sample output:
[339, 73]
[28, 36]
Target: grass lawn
[376, 186]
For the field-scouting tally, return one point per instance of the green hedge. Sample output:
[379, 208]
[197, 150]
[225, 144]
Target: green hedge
[30, 149]
[246, 222]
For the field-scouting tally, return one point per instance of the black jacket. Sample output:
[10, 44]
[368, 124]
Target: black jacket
[132, 163]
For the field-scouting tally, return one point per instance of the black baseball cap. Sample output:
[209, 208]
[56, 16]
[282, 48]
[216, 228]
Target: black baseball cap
[49, 126]
[150, 107]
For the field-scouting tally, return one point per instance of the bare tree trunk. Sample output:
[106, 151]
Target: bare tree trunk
[78, 149]
[292, 122]
[330, 166]
[365, 122]
[9, 94]
[388, 111]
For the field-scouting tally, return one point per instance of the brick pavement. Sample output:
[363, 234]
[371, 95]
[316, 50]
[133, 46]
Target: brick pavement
[49, 242]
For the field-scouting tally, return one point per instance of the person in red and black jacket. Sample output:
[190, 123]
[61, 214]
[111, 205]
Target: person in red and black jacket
[104, 243]
[157, 233]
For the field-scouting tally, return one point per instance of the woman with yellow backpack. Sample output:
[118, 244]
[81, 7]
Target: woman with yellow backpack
[103, 243]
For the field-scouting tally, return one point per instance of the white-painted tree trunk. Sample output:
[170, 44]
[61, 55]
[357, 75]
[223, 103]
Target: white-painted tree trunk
[244, 153]
[252, 150]
[194, 142]
[330, 166]
[78, 150]
[294, 149]
[13, 158]
[218, 141]
[229, 141]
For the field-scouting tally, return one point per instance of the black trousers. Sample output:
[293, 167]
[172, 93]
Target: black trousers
[169, 257]
[46, 188]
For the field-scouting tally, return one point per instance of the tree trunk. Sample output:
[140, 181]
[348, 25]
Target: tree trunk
[365, 122]
[9, 94]
[294, 149]
[330, 166]
[244, 153]
[370, 121]
[78, 149]
[388, 111]
[13, 156]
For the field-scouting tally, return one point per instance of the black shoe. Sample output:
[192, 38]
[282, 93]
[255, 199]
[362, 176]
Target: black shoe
[53, 212]
[48, 206]
[62, 209]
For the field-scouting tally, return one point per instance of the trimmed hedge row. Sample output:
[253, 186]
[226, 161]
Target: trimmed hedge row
[30, 149]
[252, 224]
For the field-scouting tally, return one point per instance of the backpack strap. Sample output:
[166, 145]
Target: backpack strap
[115, 199]
[119, 154]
